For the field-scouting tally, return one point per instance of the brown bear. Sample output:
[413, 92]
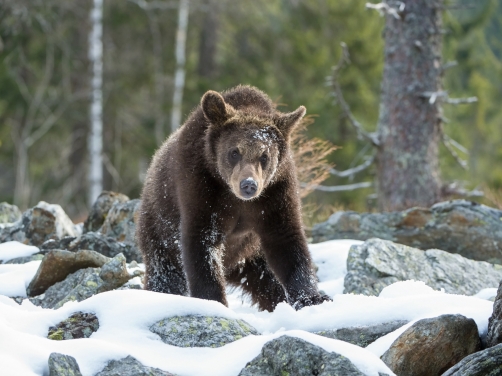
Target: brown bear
[220, 204]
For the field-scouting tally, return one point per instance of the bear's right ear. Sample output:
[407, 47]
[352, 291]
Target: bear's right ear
[215, 109]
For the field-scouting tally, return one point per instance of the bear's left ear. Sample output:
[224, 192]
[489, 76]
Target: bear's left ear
[215, 109]
[287, 122]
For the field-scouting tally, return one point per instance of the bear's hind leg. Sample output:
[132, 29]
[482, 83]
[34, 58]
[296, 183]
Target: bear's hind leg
[165, 274]
[256, 279]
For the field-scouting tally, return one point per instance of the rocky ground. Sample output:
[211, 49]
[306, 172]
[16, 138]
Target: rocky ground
[77, 262]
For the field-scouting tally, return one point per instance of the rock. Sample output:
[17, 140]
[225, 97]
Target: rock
[9, 213]
[293, 356]
[25, 259]
[120, 222]
[83, 284]
[494, 336]
[63, 365]
[201, 331]
[57, 264]
[100, 209]
[78, 325]
[39, 224]
[114, 273]
[63, 243]
[432, 346]
[483, 363]
[106, 245]
[377, 263]
[130, 367]
[362, 336]
[469, 229]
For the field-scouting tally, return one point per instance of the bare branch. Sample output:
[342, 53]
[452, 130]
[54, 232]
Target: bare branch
[338, 188]
[354, 170]
[338, 94]
[447, 142]
[443, 97]
[449, 65]
[456, 189]
[155, 5]
[384, 8]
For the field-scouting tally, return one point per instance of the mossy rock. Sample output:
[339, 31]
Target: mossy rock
[201, 331]
[78, 325]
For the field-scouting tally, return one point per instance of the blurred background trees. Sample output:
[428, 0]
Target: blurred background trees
[285, 47]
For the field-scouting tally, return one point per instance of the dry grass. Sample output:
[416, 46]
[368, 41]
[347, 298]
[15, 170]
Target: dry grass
[310, 155]
[494, 197]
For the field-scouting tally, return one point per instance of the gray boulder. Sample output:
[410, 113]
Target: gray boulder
[39, 224]
[201, 331]
[377, 263]
[120, 222]
[362, 336]
[84, 283]
[432, 346]
[469, 229]
[483, 363]
[9, 213]
[25, 259]
[58, 264]
[63, 365]
[100, 209]
[293, 356]
[130, 367]
[78, 325]
[106, 245]
[494, 335]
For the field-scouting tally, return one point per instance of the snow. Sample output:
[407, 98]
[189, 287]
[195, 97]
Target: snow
[12, 250]
[125, 316]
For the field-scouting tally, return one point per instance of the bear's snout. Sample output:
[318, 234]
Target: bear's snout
[248, 187]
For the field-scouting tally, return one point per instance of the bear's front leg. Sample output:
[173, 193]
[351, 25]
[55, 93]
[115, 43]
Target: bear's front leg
[287, 255]
[202, 253]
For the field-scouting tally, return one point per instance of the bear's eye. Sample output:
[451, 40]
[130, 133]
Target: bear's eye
[264, 160]
[234, 155]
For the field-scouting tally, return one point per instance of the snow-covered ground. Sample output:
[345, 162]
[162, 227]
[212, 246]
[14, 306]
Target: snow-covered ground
[125, 316]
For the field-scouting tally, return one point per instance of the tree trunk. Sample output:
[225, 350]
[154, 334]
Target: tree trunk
[208, 41]
[96, 132]
[179, 77]
[410, 115]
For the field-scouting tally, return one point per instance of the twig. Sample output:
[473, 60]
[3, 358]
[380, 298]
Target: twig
[455, 189]
[449, 143]
[443, 97]
[449, 65]
[333, 80]
[354, 170]
[338, 188]
[151, 5]
[384, 8]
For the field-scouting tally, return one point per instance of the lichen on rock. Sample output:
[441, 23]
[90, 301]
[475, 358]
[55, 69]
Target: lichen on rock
[201, 331]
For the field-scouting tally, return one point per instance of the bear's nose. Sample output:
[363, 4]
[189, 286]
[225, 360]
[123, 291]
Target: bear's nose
[248, 187]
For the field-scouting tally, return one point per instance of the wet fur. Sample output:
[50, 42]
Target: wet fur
[196, 235]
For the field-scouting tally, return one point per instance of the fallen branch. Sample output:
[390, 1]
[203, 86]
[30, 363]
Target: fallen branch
[455, 189]
[338, 188]
[338, 94]
[354, 170]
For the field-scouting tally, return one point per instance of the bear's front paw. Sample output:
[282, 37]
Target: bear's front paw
[310, 300]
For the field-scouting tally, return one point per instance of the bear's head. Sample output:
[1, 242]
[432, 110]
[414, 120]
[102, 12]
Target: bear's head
[246, 146]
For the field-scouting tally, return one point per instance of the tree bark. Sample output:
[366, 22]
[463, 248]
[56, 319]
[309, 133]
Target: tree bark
[208, 41]
[409, 125]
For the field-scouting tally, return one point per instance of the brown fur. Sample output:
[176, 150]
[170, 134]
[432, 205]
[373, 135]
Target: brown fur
[198, 228]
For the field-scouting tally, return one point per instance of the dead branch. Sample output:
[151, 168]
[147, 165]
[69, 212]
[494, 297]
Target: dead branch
[444, 97]
[155, 5]
[456, 189]
[338, 94]
[384, 8]
[337, 188]
[449, 143]
[352, 171]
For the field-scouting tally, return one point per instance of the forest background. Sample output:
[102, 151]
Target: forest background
[287, 48]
